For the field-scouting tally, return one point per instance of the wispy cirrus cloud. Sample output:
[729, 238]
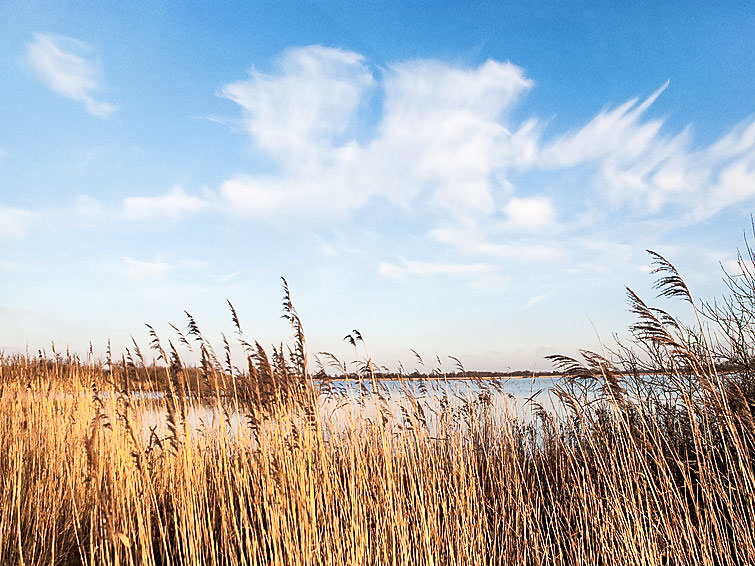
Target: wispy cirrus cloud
[227, 277]
[423, 268]
[298, 116]
[444, 143]
[472, 238]
[634, 162]
[307, 104]
[68, 67]
[439, 130]
[534, 300]
[174, 204]
[618, 134]
[14, 222]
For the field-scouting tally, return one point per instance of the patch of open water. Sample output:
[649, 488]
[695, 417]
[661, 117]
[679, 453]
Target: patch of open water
[342, 401]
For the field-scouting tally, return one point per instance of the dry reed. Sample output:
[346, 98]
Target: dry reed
[651, 463]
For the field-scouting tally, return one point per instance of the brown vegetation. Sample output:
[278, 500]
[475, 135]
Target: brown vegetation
[651, 462]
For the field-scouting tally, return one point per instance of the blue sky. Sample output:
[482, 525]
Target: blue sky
[467, 179]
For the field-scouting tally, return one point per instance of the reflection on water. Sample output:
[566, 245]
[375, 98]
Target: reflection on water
[398, 403]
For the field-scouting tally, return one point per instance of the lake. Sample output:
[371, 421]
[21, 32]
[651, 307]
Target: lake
[395, 401]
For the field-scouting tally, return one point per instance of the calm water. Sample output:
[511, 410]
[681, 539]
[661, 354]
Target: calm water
[342, 401]
[501, 394]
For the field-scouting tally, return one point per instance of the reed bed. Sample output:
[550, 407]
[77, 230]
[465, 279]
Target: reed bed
[650, 462]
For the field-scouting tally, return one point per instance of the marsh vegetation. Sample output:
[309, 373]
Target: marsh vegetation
[649, 462]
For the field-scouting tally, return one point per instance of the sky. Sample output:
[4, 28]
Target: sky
[469, 179]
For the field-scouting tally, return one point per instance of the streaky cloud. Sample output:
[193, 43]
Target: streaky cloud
[444, 143]
[14, 222]
[442, 128]
[67, 67]
[175, 204]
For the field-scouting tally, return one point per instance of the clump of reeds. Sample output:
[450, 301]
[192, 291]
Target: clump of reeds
[130, 462]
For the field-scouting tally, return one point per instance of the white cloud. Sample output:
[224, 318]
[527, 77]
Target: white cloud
[444, 145]
[327, 249]
[535, 300]
[733, 267]
[726, 260]
[617, 134]
[324, 194]
[638, 164]
[174, 204]
[530, 214]
[441, 133]
[734, 183]
[306, 105]
[443, 130]
[14, 222]
[700, 182]
[472, 239]
[411, 267]
[67, 67]
[228, 277]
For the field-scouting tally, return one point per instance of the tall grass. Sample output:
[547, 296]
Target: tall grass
[651, 462]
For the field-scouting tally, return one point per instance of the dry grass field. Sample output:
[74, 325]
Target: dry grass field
[651, 463]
